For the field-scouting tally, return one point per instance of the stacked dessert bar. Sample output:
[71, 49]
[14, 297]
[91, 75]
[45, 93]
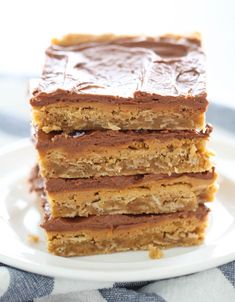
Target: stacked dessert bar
[122, 143]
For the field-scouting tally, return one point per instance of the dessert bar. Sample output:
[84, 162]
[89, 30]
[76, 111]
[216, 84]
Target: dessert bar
[138, 194]
[81, 236]
[121, 83]
[114, 153]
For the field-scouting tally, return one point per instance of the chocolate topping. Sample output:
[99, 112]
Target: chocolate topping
[128, 70]
[80, 140]
[113, 221]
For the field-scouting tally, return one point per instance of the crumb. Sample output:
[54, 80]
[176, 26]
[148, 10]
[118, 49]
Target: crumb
[113, 127]
[33, 238]
[155, 252]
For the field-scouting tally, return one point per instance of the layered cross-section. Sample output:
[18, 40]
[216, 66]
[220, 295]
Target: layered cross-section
[121, 138]
[122, 83]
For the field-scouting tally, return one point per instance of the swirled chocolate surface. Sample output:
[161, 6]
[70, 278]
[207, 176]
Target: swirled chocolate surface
[129, 70]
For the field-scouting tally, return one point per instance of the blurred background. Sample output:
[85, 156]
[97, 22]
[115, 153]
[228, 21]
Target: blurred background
[26, 28]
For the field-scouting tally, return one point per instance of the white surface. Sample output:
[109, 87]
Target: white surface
[19, 217]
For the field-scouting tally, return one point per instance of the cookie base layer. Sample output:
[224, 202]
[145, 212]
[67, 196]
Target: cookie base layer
[163, 231]
[95, 116]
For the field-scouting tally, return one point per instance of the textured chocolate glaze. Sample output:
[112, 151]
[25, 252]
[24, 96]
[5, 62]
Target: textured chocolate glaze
[80, 140]
[111, 222]
[130, 70]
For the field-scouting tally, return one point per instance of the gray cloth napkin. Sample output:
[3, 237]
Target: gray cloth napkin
[214, 285]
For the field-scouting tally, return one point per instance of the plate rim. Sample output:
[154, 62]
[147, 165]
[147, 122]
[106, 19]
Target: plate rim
[153, 273]
[88, 275]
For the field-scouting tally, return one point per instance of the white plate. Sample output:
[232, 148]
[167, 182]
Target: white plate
[19, 217]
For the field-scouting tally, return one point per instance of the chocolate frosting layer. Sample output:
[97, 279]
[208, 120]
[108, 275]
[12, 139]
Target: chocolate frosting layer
[111, 222]
[125, 70]
[80, 140]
